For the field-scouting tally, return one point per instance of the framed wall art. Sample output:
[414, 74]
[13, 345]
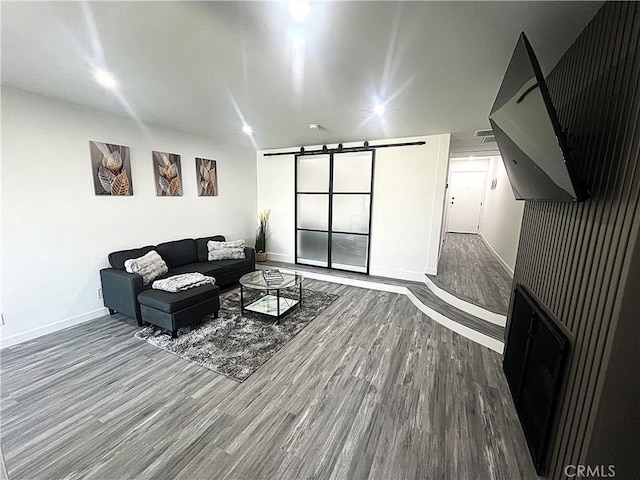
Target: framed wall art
[111, 168]
[207, 177]
[168, 174]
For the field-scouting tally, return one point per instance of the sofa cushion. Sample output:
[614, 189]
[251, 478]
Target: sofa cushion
[117, 259]
[178, 252]
[231, 265]
[174, 302]
[201, 246]
[206, 268]
[150, 266]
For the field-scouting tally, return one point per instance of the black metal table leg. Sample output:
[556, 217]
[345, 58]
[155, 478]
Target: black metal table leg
[241, 299]
[300, 302]
[278, 304]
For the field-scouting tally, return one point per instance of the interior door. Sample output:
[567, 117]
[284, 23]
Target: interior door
[333, 210]
[466, 190]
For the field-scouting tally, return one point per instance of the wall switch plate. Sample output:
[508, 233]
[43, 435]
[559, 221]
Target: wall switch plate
[99, 293]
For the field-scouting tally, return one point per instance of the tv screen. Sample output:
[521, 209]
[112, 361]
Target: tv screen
[528, 134]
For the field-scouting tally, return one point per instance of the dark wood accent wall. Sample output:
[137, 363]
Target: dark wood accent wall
[572, 256]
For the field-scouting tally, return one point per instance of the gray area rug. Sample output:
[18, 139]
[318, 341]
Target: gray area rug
[237, 345]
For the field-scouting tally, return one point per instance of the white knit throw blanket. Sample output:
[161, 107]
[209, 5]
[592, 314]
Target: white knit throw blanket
[178, 283]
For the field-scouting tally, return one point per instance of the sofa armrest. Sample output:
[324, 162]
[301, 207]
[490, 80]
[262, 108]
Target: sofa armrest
[120, 291]
[250, 253]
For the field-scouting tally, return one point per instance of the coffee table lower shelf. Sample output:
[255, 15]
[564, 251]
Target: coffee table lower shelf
[268, 305]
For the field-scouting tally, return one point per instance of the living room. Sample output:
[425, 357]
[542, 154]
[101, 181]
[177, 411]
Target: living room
[240, 84]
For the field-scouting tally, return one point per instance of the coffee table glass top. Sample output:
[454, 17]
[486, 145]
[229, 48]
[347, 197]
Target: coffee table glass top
[256, 281]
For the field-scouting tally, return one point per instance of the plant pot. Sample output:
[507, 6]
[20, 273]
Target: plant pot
[261, 257]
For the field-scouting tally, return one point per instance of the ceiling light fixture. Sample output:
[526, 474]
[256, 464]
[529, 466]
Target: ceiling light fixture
[315, 126]
[246, 128]
[379, 109]
[104, 78]
[299, 10]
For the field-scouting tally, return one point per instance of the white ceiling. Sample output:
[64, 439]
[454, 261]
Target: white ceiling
[200, 67]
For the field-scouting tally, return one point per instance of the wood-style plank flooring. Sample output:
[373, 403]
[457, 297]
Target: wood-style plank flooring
[430, 299]
[470, 270]
[372, 388]
[490, 292]
[420, 290]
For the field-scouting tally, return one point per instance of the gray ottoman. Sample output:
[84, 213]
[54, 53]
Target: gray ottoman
[172, 311]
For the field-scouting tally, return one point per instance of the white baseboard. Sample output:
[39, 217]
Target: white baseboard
[502, 262]
[51, 327]
[384, 287]
[377, 271]
[397, 274]
[278, 257]
[430, 271]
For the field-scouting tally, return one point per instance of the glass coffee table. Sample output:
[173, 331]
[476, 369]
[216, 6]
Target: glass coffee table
[271, 302]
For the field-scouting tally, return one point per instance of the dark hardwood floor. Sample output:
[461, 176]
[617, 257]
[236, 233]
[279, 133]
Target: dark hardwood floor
[470, 270]
[372, 388]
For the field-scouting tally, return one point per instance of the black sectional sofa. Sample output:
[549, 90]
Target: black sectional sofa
[120, 289]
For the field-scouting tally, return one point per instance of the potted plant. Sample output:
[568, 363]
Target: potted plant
[261, 237]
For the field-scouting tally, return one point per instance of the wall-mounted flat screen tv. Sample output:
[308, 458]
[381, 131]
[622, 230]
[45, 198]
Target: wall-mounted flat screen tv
[529, 135]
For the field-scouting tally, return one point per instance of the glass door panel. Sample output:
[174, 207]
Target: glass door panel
[351, 213]
[352, 172]
[349, 252]
[313, 173]
[313, 211]
[313, 248]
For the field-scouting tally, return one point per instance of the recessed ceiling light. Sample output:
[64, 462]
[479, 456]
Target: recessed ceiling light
[247, 129]
[379, 109]
[315, 126]
[299, 10]
[104, 78]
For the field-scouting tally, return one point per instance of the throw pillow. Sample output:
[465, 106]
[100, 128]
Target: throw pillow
[213, 245]
[149, 266]
[233, 250]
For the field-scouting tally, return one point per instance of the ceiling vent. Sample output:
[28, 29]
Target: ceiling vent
[486, 136]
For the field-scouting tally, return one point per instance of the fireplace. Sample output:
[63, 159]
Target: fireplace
[535, 356]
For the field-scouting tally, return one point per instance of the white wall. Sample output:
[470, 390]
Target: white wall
[408, 196]
[501, 215]
[466, 165]
[56, 234]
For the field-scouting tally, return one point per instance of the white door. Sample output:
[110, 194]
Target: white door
[465, 201]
